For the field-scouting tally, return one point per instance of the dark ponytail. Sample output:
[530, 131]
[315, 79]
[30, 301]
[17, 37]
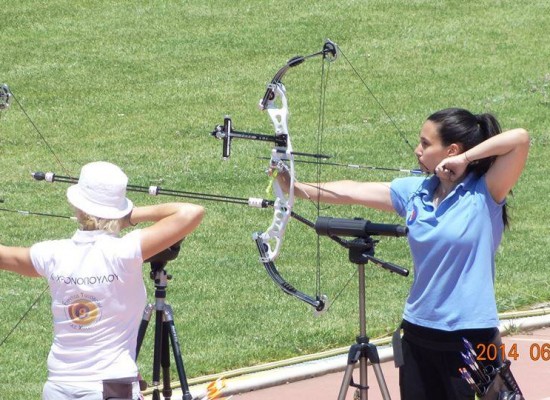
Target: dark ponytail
[460, 126]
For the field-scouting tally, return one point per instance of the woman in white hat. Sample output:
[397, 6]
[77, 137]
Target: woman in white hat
[96, 283]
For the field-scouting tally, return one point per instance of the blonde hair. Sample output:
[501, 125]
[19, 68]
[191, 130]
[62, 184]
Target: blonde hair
[90, 223]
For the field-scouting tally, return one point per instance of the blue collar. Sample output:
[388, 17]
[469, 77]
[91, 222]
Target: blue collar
[430, 184]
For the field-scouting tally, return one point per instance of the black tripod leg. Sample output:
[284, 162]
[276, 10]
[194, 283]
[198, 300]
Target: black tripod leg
[157, 352]
[165, 361]
[143, 327]
[177, 354]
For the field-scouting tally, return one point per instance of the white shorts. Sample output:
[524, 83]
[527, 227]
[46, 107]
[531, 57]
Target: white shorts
[70, 391]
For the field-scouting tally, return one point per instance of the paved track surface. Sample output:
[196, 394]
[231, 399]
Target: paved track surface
[531, 369]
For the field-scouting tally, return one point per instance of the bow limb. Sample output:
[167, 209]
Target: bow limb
[269, 244]
[328, 52]
[317, 302]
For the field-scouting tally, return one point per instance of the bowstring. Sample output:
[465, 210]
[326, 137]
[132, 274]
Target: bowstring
[24, 315]
[321, 125]
[43, 138]
[369, 90]
[400, 133]
[320, 131]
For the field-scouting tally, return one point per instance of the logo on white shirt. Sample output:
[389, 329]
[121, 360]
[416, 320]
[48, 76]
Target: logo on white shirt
[84, 311]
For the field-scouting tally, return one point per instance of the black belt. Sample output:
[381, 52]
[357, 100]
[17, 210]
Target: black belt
[438, 340]
[118, 388]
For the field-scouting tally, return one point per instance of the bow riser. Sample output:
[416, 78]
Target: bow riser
[273, 236]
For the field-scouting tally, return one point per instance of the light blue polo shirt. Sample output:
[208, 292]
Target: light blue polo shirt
[453, 248]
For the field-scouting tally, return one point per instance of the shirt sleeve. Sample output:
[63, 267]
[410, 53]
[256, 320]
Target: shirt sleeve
[494, 208]
[42, 257]
[401, 192]
[128, 249]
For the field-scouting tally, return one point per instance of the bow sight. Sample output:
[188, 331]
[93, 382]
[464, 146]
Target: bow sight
[226, 133]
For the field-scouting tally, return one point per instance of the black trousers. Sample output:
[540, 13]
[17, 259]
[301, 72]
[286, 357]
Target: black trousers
[432, 359]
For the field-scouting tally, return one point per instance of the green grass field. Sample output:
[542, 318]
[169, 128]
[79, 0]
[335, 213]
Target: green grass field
[143, 83]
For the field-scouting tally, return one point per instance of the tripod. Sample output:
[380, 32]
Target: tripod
[165, 329]
[361, 250]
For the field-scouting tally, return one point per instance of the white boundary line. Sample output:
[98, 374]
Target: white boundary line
[310, 369]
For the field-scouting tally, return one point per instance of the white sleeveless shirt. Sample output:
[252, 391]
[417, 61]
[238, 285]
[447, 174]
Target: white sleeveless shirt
[98, 298]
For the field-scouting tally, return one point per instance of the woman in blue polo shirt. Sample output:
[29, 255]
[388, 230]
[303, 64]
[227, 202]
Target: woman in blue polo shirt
[456, 218]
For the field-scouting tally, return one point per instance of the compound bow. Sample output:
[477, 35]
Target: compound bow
[275, 102]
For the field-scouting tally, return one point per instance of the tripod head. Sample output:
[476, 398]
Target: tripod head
[159, 260]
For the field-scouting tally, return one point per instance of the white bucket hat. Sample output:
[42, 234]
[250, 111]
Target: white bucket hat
[101, 191]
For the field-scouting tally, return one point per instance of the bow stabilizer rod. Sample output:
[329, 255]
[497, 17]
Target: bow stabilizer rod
[156, 191]
[40, 214]
[255, 202]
